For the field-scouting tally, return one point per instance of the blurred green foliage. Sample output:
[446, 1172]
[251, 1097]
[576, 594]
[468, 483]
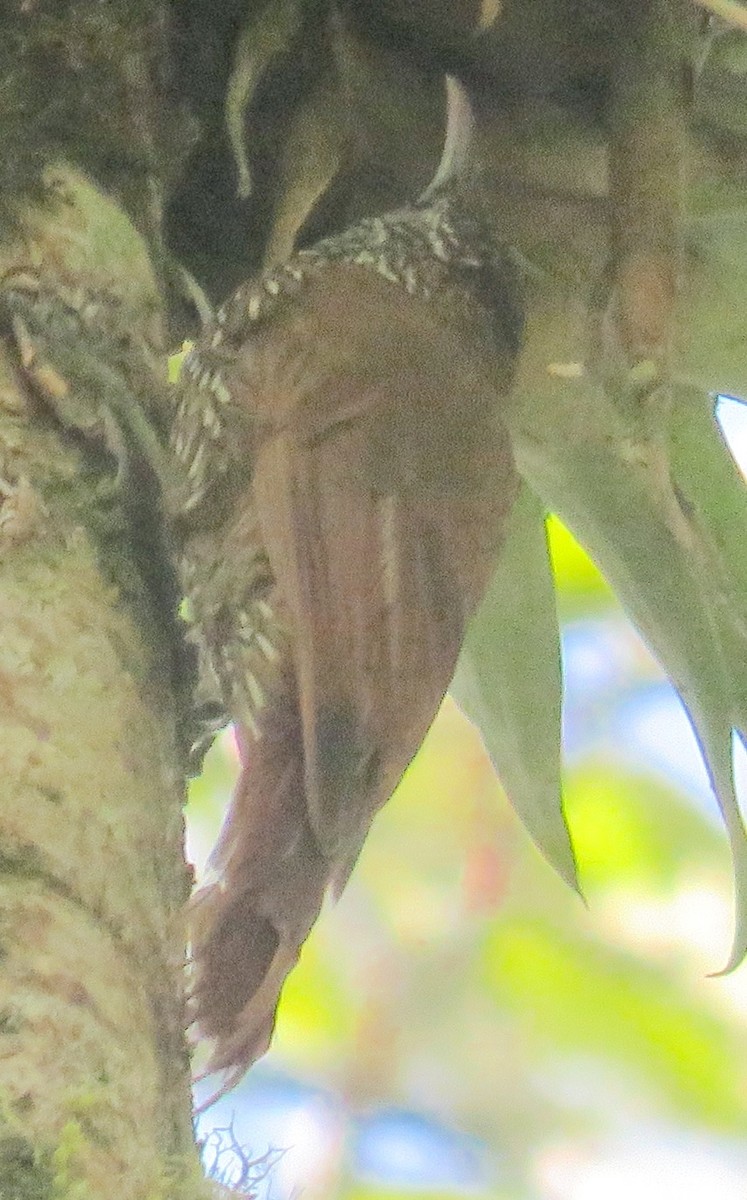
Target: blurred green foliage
[458, 977]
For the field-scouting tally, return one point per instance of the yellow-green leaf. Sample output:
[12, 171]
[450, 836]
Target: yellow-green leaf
[508, 681]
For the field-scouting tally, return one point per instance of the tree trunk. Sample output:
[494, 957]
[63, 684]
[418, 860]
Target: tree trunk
[94, 1077]
[94, 1074]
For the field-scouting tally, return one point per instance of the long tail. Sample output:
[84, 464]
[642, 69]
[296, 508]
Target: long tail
[247, 927]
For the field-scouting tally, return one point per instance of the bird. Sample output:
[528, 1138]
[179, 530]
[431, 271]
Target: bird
[347, 482]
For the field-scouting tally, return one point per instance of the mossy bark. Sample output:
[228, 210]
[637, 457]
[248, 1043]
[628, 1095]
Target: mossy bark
[94, 1072]
[92, 881]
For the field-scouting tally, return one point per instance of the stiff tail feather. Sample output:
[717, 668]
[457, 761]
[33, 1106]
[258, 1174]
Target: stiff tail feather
[268, 880]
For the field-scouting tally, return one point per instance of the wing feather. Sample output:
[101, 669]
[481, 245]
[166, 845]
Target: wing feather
[381, 511]
[371, 515]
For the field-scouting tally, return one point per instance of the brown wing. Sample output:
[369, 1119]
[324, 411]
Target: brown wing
[381, 492]
[381, 479]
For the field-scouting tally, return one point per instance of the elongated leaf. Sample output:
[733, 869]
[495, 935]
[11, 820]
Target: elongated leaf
[614, 491]
[714, 494]
[715, 497]
[508, 681]
[713, 337]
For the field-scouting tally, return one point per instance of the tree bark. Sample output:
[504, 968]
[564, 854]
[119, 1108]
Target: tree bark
[94, 1072]
[94, 1077]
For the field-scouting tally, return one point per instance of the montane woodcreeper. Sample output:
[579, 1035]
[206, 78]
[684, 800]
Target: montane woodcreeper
[349, 480]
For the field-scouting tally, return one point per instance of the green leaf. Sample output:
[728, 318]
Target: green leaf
[712, 338]
[713, 492]
[508, 681]
[720, 93]
[612, 486]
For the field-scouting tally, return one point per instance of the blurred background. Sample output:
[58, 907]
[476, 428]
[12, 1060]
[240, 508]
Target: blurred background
[460, 1023]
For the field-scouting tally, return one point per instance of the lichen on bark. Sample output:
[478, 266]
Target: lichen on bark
[94, 1074]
